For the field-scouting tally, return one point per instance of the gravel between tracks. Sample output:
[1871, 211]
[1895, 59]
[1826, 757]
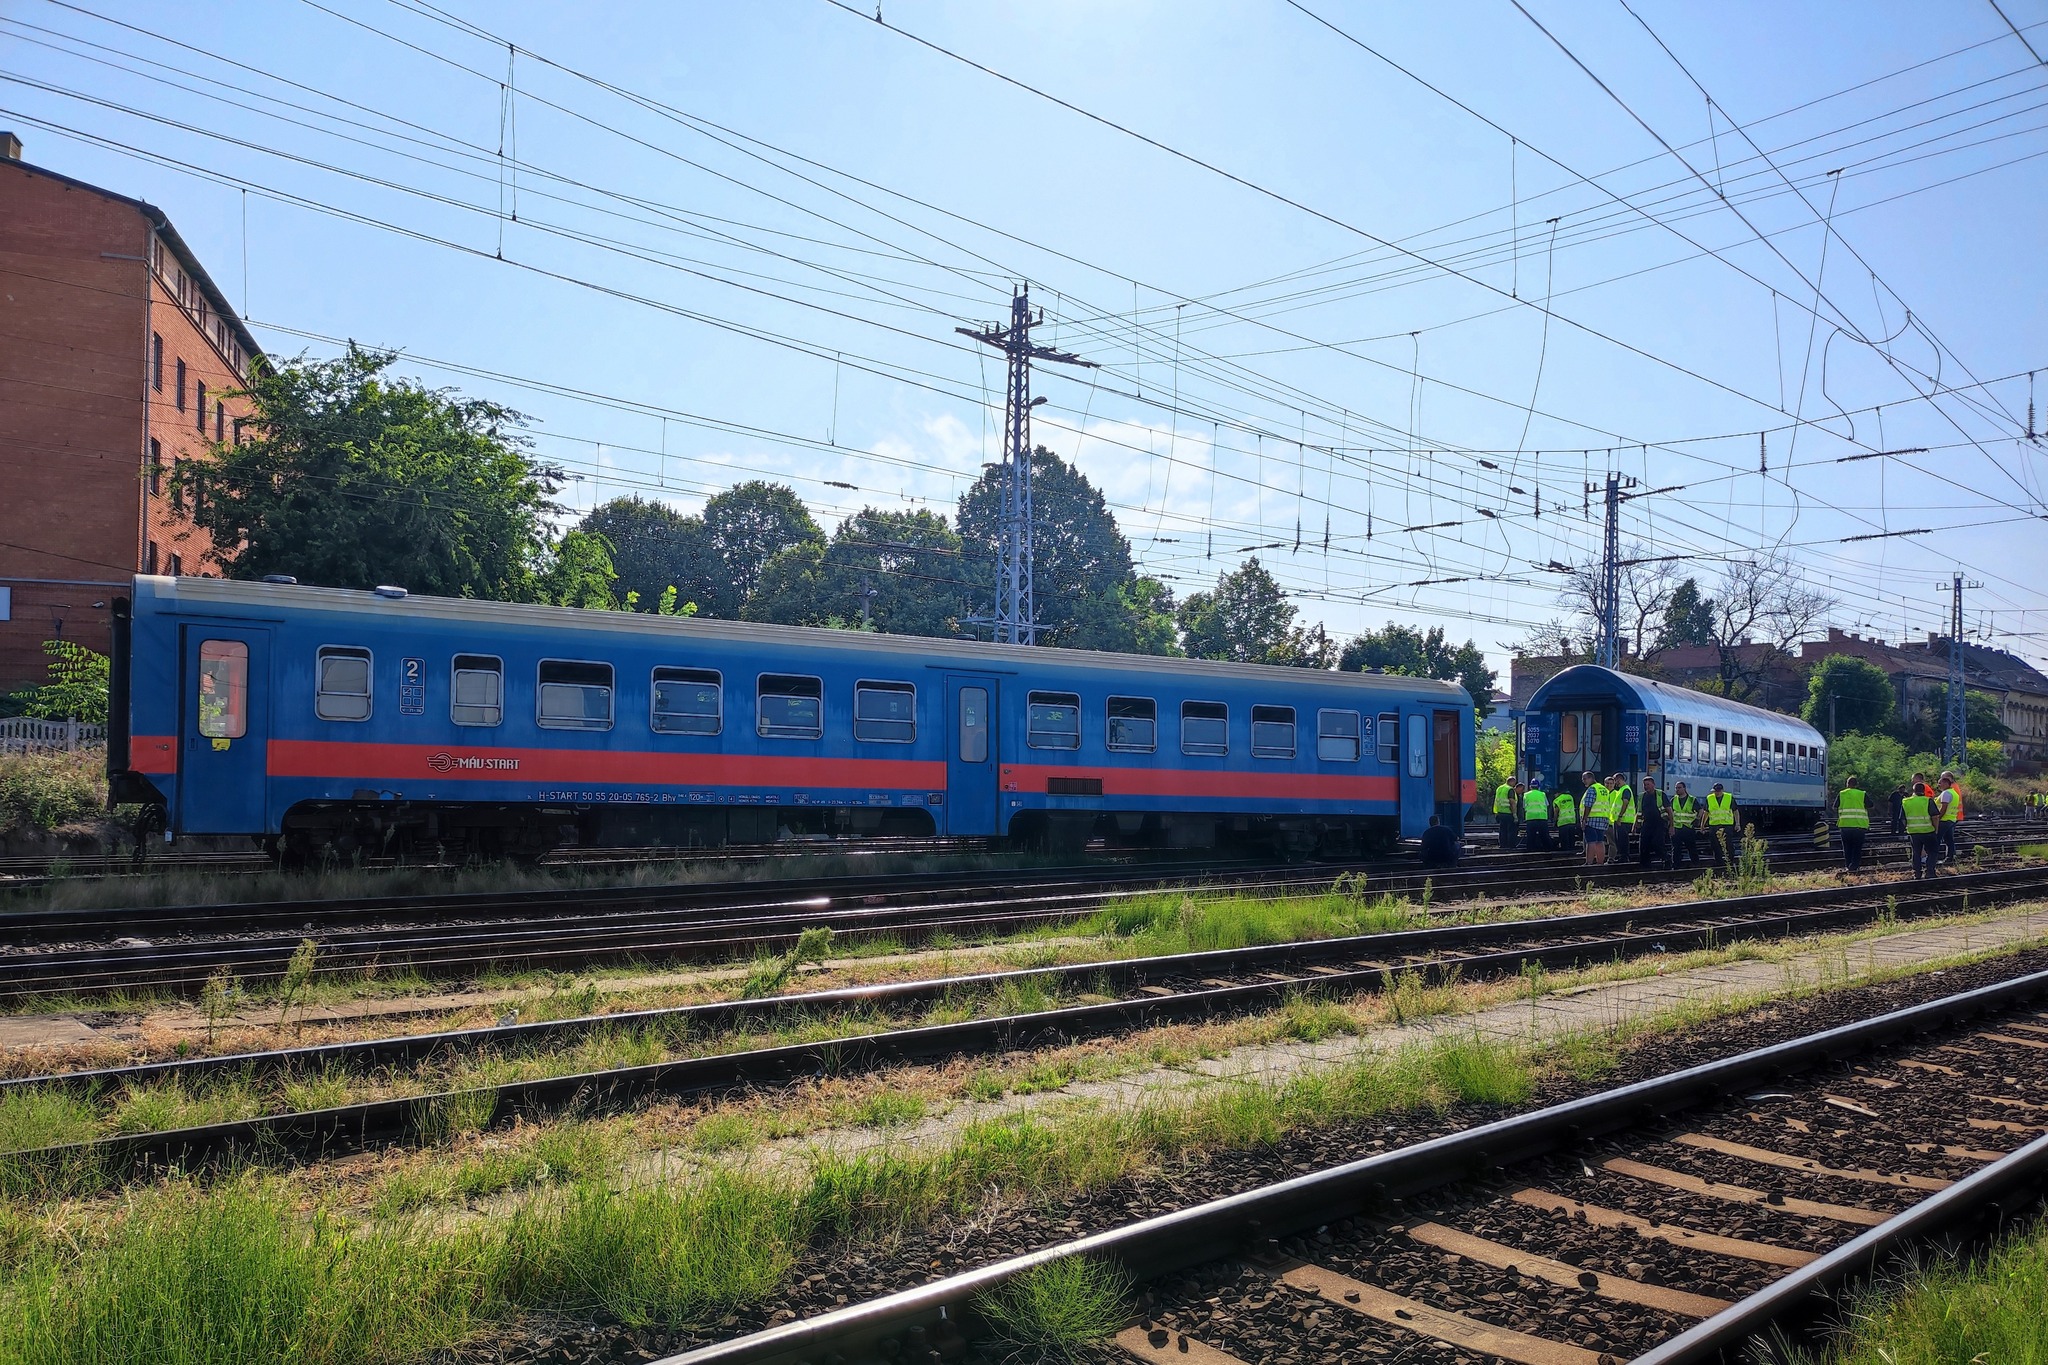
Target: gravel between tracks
[829, 1276]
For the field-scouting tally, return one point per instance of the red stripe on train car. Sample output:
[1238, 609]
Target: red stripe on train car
[430, 762]
[153, 753]
[1277, 786]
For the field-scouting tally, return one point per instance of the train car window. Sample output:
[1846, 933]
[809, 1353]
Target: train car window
[1685, 741]
[573, 695]
[1337, 736]
[788, 706]
[1721, 747]
[1670, 740]
[973, 724]
[1418, 746]
[1272, 732]
[687, 701]
[1805, 759]
[343, 683]
[476, 691]
[1204, 727]
[1778, 754]
[1750, 741]
[223, 689]
[1133, 725]
[1820, 758]
[885, 712]
[1052, 720]
[1388, 729]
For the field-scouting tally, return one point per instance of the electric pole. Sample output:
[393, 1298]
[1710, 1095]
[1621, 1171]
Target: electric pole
[1015, 617]
[1956, 747]
[1608, 651]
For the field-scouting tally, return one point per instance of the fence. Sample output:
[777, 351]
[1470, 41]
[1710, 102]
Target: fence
[19, 735]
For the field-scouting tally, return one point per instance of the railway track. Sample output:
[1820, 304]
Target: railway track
[1674, 1221]
[1141, 992]
[177, 949]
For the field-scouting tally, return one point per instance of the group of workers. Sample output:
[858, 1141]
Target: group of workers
[1606, 818]
[2037, 805]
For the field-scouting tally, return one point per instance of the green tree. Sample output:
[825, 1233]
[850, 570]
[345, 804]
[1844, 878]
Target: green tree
[905, 568]
[791, 590]
[353, 478]
[653, 548]
[1987, 756]
[1688, 617]
[577, 572]
[1419, 654]
[1087, 592]
[1247, 619]
[1878, 761]
[1929, 730]
[1494, 752]
[746, 526]
[77, 689]
[1851, 694]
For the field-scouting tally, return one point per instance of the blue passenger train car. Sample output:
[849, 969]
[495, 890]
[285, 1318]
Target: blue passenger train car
[1593, 719]
[320, 720]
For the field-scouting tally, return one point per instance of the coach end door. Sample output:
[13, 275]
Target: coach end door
[1418, 788]
[973, 757]
[223, 729]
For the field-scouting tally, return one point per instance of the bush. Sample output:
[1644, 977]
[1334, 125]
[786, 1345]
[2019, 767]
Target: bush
[46, 791]
[77, 689]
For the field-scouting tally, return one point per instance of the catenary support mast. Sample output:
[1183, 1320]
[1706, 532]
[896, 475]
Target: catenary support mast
[1015, 617]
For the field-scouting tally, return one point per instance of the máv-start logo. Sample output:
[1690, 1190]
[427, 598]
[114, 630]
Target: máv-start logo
[445, 762]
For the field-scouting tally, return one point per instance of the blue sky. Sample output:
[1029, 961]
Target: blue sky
[752, 229]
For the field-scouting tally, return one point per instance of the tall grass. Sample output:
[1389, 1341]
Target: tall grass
[1206, 921]
[1992, 1308]
[1056, 1311]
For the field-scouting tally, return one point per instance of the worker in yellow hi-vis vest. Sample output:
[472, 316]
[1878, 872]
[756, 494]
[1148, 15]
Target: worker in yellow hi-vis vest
[1721, 824]
[1919, 807]
[1948, 810]
[1536, 819]
[1685, 827]
[1596, 809]
[1624, 819]
[1504, 813]
[1564, 818]
[1852, 818]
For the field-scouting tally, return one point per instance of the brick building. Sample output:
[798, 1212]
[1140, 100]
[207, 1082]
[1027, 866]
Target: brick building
[115, 352]
[1919, 677]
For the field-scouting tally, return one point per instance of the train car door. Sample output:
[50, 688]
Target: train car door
[223, 729]
[973, 757]
[1448, 758]
[1418, 791]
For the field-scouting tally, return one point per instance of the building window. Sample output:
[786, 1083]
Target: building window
[177, 566]
[1272, 732]
[199, 407]
[1204, 728]
[1133, 725]
[885, 712]
[156, 362]
[223, 689]
[1052, 720]
[1388, 730]
[1337, 736]
[476, 695]
[179, 392]
[343, 691]
[687, 701]
[149, 558]
[220, 421]
[788, 706]
[156, 466]
[574, 696]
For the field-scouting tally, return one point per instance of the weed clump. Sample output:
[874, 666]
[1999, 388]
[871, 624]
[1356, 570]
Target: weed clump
[1056, 1311]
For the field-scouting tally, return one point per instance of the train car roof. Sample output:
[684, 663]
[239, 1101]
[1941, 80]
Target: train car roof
[273, 600]
[1582, 683]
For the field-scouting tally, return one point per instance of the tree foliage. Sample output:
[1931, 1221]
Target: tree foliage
[653, 548]
[1247, 619]
[1688, 618]
[351, 478]
[745, 527]
[1423, 654]
[1088, 593]
[77, 689]
[1861, 695]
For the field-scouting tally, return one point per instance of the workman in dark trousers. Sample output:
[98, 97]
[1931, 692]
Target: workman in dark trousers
[1721, 825]
[1564, 819]
[1651, 817]
[1898, 810]
[1948, 814]
[1919, 808]
[1440, 846]
[1504, 814]
[1536, 819]
[1624, 818]
[1595, 814]
[1685, 834]
[1852, 818]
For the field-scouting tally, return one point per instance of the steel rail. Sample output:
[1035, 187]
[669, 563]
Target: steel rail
[1257, 1219]
[383, 1120]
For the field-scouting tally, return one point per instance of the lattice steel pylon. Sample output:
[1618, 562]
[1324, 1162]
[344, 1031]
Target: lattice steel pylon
[1015, 617]
[1955, 747]
[1607, 649]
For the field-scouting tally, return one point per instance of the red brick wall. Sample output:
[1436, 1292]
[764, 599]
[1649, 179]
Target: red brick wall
[78, 304]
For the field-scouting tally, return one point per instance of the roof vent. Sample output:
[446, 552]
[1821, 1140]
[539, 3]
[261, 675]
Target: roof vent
[386, 590]
[284, 578]
[10, 147]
